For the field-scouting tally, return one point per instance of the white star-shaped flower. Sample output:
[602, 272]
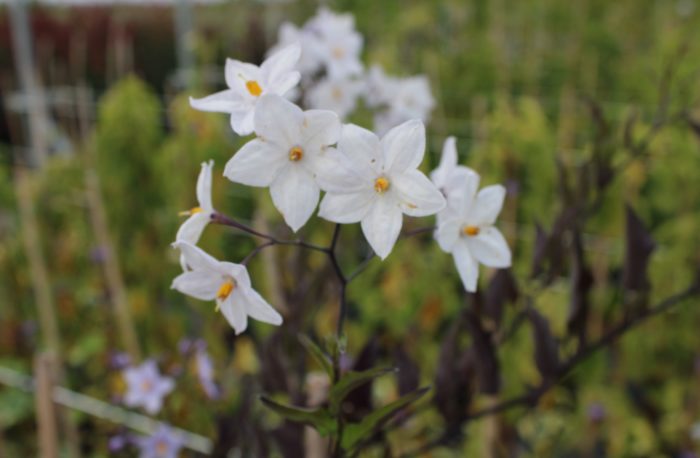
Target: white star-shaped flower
[290, 155]
[410, 99]
[191, 230]
[248, 83]
[379, 181]
[310, 60]
[339, 44]
[146, 387]
[226, 283]
[468, 233]
[339, 96]
[449, 176]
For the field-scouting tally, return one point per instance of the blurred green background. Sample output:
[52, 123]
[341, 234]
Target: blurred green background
[511, 80]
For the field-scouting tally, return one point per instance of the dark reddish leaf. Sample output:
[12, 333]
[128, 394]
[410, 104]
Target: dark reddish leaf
[358, 403]
[487, 366]
[639, 247]
[502, 290]
[409, 373]
[546, 348]
[581, 283]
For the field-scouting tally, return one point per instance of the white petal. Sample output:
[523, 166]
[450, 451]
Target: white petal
[335, 172]
[237, 271]
[448, 162]
[460, 191]
[152, 404]
[197, 258]
[447, 233]
[204, 186]
[233, 309]
[225, 101]
[490, 248]
[320, 128]
[258, 308]
[487, 205]
[200, 284]
[242, 120]
[382, 225]
[404, 146]
[279, 65]
[467, 266]
[256, 164]
[416, 194]
[238, 73]
[363, 149]
[346, 208]
[191, 230]
[295, 194]
[278, 121]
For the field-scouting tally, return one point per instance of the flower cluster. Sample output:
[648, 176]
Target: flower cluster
[358, 176]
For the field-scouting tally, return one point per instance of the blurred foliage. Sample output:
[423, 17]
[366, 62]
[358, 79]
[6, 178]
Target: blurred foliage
[513, 81]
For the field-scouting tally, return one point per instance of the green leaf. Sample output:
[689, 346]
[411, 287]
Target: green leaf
[319, 355]
[351, 381]
[320, 419]
[354, 433]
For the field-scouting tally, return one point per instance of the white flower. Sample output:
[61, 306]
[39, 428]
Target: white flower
[378, 181]
[225, 282]
[248, 83]
[310, 60]
[339, 96]
[379, 88]
[339, 43]
[468, 232]
[410, 99]
[146, 387]
[290, 156]
[191, 230]
[449, 176]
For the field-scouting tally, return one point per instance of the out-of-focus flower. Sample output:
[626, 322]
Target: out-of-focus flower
[118, 360]
[468, 232]
[449, 176]
[146, 387]
[164, 443]
[338, 43]
[379, 88]
[225, 282]
[379, 182]
[339, 96]
[191, 230]
[596, 412]
[290, 155]
[205, 372]
[289, 34]
[248, 83]
[117, 442]
[410, 99]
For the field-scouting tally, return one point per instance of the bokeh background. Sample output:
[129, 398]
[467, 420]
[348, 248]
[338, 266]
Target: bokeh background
[89, 202]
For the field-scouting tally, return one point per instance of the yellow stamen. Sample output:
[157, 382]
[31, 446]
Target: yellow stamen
[470, 230]
[191, 211]
[338, 53]
[225, 290]
[146, 385]
[254, 88]
[161, 448]
[381, 184]
[295, 154]
[337, 94]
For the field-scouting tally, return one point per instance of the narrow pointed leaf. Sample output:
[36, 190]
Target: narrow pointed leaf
[320, 419]
[319, 355]
[546, 347]
[355, 433]
[351, 381]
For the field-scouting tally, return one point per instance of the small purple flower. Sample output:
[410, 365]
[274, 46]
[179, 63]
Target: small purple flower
[119, 360]
[116, 443]
[205, 373]
[164, 443]
[184, 346]
[146, 387]
[596, 412]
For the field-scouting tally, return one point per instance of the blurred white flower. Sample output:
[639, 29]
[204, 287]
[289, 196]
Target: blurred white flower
[164, 443]
[339, 44]
[191, 230]
[468, 233]
[310, 60]
[410, 99]
[205, 373]
[225, 282]
[379, 87]
[290, 156]
[248, 83]
[339, 96]
[146, 387]
[449, 177]
[379, 181]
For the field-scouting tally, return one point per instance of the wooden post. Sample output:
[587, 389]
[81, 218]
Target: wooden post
[44, 370]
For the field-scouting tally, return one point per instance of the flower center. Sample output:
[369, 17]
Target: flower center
[470, 230]
[161, 448]
[381, 185]
[254, 88]
[146, 385]
[296, 154]
[337, 94]
[338, 53]
[226, 289]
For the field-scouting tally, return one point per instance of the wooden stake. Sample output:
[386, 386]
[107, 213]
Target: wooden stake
[44, 370]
